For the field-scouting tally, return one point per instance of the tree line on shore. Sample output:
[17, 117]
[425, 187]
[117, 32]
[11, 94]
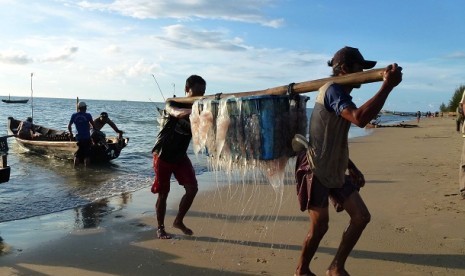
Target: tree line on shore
[454, 101]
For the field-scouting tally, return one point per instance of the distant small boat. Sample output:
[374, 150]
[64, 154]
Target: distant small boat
[14, 101]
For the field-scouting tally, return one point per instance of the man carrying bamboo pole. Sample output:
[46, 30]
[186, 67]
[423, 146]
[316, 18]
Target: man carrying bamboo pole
[320, 171]
[170, 158]
[462, 160]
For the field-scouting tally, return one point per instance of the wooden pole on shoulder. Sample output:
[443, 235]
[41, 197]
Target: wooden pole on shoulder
[369, 76]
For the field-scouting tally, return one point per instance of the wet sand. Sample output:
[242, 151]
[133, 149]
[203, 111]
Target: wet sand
[248, 228]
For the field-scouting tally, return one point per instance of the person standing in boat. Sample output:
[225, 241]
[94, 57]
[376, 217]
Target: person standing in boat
[99, 136]
[82, 121]
[321, 170]
[170, 158]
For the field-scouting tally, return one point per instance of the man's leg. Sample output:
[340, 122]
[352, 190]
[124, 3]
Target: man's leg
[319, 218]
[185, 174]
[359, 218]
[86, 151]
[77, 155]
[87, 154]
[184, 206]
[161, 187]
[160, 208]
[86, 161]
[462, 172]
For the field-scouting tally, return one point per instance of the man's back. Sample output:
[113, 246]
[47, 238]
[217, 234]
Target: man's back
[100, 123]
[173, 139]
[328, 135]
[81, 121]
[25, 129]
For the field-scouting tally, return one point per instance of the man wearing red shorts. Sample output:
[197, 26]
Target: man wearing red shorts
[170, 158]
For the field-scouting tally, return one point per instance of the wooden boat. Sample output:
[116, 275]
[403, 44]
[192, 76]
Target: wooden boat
[4, 168]
[14, 101]
[56, 143]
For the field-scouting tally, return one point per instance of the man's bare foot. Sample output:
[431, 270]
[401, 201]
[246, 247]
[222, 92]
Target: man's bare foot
[183, 228]
[162, 235]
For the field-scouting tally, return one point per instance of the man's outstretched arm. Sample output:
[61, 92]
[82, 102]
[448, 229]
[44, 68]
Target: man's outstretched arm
[364, 114]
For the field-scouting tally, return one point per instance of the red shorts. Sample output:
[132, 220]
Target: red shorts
[182, 170]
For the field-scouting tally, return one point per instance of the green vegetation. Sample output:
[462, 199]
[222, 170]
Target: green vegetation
[454, 101]
[443, 108]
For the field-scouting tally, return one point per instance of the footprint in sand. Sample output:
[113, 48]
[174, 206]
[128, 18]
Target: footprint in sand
[402, 229]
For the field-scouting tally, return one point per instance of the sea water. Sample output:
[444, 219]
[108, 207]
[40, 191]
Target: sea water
[40, 185]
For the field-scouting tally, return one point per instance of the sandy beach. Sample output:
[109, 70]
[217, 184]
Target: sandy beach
[248, 228]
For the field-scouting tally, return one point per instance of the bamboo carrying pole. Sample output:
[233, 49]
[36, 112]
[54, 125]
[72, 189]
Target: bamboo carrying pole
[368, 76]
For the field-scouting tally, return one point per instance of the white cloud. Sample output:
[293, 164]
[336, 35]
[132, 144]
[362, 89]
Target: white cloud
[112, 49]
[456, 55]
[183, 37]
[248, 11]
[136, 70]
[15, 57]
[65, 54]
[140, 68]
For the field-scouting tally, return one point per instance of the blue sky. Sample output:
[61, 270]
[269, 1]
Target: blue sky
[109, 49]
